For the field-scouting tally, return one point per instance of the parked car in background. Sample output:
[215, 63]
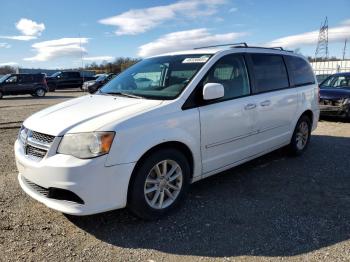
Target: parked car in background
[335, 95]
[20, 84]
[203, 112]
[66, 79]
[93, 85]
[321, 78]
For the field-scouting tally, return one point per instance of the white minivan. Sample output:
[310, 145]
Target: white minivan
[164, 123]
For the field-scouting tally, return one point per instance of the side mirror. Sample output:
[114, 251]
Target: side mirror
[213, 91]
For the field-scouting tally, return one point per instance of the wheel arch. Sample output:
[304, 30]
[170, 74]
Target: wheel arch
[183, 148]
[309, 114]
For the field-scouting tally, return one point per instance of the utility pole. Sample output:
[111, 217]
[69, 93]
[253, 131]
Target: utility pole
[344, 50]
[322, 43]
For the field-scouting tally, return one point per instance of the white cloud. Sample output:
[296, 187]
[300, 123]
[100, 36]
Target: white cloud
[5, 45]
[64, 47]
[29, 27]
[233, 9]
[98, 58]
[9, 64]
[137, 21]
[30, 30]
[19, 37]
[335, 34]
[186, 40]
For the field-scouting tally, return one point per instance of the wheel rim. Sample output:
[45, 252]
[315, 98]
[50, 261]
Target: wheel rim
[40, 92]
[163, 184]
[302, 135]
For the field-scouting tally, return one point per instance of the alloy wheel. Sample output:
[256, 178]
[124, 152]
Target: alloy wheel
[302, 135]
[163, 184]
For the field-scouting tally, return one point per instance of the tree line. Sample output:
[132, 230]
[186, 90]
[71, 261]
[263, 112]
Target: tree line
[116, 66]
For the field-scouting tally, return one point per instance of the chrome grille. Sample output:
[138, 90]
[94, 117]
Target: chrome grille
[36, 145]
[47, 139]
[35, 152]
[41, 190]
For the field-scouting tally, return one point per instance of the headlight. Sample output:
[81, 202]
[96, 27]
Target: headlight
[86, 145]
[346, 101]
[23, 133]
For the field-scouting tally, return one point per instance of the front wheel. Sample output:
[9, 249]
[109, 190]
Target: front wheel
[1, 95]
[301, 136]
[159, 184]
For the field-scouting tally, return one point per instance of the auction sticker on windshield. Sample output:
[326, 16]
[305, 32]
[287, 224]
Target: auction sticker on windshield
[201, 59]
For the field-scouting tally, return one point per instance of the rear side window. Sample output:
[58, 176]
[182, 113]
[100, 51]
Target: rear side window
[26, 79]
[73, 75]
[301, 71]
[270, 72]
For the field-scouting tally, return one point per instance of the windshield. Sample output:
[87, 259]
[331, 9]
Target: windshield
[55, 74]
[101, 78]
[338, 81]
[3, 78]
[163, 77]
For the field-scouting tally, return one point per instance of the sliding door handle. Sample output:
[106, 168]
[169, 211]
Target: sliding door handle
[250, 106]
[265, 103]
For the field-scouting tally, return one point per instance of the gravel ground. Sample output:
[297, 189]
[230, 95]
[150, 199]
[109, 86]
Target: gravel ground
[273, 208]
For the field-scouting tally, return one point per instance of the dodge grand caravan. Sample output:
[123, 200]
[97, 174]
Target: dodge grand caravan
[140, 145]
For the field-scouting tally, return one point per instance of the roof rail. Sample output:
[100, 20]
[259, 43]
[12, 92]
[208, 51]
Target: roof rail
[244, 45]
[273, 48]
[231, 45]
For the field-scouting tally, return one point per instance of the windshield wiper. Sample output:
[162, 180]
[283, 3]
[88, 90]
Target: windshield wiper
[124, 94]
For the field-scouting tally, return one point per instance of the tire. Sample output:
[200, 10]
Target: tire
[157, 201]
[301, 136]
[1, 95]
[40, 92]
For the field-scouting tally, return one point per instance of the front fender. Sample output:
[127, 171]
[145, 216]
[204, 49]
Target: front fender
[135, 139]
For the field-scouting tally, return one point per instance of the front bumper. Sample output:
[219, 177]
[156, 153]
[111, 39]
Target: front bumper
[101, 188]
[341, 110]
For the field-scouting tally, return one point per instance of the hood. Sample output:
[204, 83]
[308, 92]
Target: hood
[86, 114]
[334, 93]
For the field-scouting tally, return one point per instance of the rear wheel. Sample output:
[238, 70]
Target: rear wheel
[301, 136]
[40, 92]
[159, 184]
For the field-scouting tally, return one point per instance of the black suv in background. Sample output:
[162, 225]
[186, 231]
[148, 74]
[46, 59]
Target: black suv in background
[67, 79]
[20, 84]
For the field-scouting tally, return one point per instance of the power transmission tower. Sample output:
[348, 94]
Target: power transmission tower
[322, 43]
[344, 50]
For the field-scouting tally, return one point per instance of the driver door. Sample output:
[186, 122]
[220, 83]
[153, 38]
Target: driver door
[227, 124]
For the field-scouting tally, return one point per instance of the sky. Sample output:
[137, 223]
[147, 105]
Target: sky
[68, 34]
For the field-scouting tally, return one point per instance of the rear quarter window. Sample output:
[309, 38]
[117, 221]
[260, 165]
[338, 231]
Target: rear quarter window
[300, 71]
[270, 72]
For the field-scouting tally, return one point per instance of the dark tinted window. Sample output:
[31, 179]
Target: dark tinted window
[301, 71]
[73, 74]
[231, 72]
[270, 72]
[26, 79]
